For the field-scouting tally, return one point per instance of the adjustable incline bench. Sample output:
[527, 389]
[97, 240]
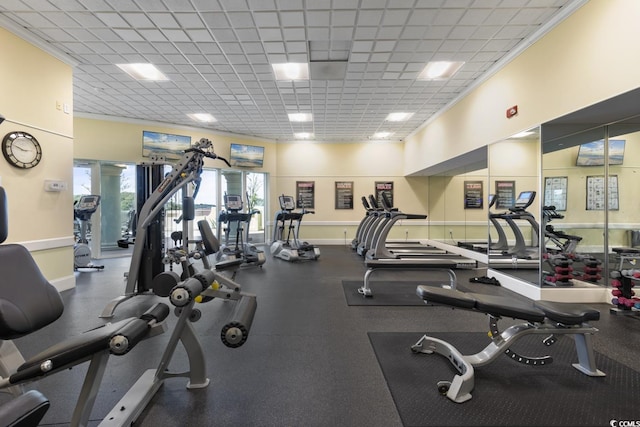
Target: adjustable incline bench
[541, 317]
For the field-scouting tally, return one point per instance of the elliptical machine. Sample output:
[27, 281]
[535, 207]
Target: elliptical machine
[83, 209]
[291, 249]
[238, 248]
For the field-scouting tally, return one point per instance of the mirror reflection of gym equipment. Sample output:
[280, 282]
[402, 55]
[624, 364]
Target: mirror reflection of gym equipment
[83, 210]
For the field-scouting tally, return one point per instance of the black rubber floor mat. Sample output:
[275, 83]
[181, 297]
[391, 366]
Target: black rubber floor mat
[385, 292]
[506, 393]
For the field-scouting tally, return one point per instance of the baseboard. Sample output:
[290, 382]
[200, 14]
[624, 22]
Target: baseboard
[64, 283]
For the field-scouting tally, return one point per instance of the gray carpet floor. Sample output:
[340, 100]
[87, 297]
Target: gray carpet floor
[308, 360]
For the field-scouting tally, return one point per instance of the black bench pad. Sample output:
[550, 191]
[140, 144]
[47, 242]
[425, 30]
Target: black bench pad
[399, 263]
[625, 250]
[508, 307]
[561, 312]
[568, 313]
[450, 297]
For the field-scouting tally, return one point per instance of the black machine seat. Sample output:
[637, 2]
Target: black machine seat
[28, 301]
[209, 240]
[25, 410]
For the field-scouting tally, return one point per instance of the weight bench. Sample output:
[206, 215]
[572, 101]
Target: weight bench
[541, 317]
[435, 264]
[630, 255]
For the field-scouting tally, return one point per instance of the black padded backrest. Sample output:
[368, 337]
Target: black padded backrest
[28, 301]
[4, 216]
[28, 409]
[210, 242]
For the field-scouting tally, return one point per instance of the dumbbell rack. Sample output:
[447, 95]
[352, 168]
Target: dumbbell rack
[624, 300]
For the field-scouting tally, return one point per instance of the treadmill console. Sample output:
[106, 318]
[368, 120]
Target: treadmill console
[287, 203]
[523, 201]
[492, 200]
[233, 202]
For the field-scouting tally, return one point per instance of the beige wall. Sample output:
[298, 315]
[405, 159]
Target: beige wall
[286, 163]
[121, 141]
[35, 88]
[586, 59]
[364, 164]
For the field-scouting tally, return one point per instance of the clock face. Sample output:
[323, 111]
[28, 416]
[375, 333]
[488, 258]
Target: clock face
[21, 150]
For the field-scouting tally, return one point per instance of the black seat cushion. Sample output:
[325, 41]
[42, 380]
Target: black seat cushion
[508, 307]
[28, 301]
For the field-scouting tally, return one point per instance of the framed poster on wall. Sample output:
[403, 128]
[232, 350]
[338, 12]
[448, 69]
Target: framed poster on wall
[473, 195]
[305, 194]
[596, 193]
[384, 187]
[344, 194]
[505, 194]
[555, 192]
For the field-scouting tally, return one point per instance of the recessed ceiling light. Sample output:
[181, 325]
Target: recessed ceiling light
[382, 135]
[398, 117]
[303, 135]
[203, 117]
[300, 117]
[291, 71]
[143, 72]
[439, 70]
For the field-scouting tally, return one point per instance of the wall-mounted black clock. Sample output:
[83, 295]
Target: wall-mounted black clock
[21, 150]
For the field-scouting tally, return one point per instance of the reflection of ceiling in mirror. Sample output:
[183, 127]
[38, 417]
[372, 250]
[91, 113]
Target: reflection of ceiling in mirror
[531, 134]
[586, 125]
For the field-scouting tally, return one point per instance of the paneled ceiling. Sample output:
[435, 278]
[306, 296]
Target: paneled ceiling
[218, 55]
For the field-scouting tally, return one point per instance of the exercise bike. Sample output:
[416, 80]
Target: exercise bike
[83, 209]
[291, 249]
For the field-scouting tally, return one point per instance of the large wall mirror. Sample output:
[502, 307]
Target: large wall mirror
[458, 200]
[575, 194]
[513, 218]
[590, 168]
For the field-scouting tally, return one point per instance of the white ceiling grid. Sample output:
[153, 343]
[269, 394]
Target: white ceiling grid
[218, 55]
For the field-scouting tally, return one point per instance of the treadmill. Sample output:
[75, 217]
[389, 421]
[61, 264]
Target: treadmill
[382, 248]
[483, 247]
[519, 255]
